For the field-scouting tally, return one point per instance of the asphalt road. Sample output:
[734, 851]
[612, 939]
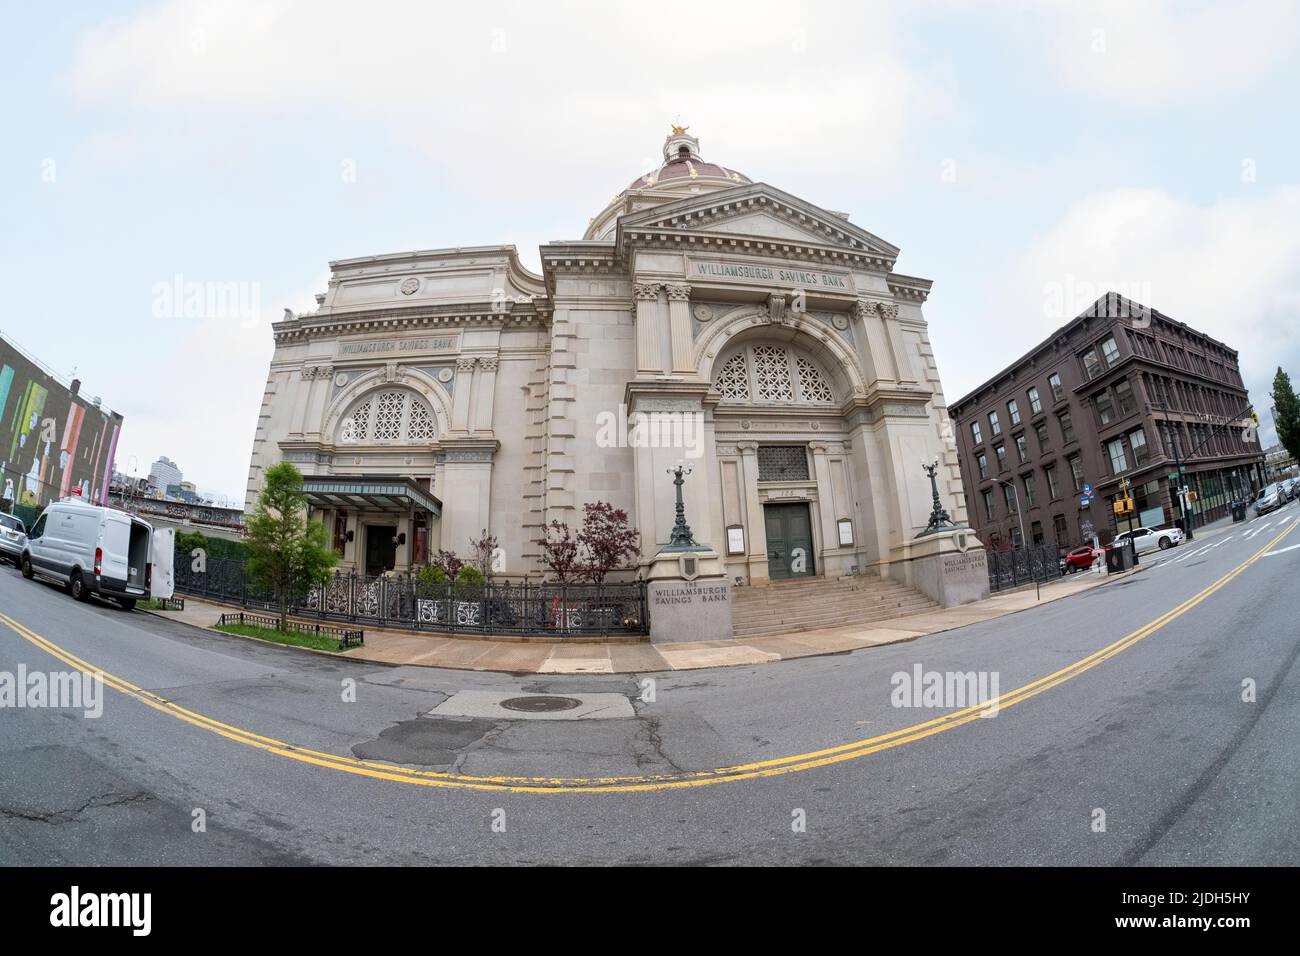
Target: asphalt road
[1152, 738]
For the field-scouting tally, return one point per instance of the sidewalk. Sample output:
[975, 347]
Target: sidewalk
[486, 654]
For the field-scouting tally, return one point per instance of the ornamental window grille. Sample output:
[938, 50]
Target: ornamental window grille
[733, 380]
[396, 415]
[782, 463]
[775, 374]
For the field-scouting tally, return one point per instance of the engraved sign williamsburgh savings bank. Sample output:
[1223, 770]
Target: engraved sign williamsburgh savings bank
[770, 275]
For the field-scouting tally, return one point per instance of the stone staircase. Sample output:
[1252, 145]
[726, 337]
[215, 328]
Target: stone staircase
[808, 604]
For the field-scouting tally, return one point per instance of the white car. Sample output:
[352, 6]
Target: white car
[91, 550]
[13, 538]
[1270, 497]
[1149, 539]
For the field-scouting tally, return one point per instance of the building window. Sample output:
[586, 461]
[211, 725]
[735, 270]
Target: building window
[1022, 448]
[772, 373]
[1014, 408]
[1059, 527]
[1067, 427]
[1009, 496]
[1127, 400]
[1044, 436]
[995, 426]
[1001, 452]
[975, 435]
[782, 463]
[1031, 491]
[1076, 471]
[1016, 541]
[1091, 364]
[1036, 532]
[1137, 440]
[982, 460]
[397, 415]
[1058, 391]
[1105, 407]
[1053, 487]
[1118, 462]
[1110, 351]
[988, 504]
[1035, 405]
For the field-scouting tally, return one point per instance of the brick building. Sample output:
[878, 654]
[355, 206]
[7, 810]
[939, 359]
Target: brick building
[1116, 395]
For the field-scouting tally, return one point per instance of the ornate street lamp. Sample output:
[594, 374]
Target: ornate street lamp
[681, 536]
[939, 519]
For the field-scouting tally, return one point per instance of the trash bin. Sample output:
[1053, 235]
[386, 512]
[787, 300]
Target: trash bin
[1238, 510]
[1121, 558]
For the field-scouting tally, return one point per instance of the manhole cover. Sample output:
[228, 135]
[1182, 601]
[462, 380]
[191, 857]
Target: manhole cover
[540, 705]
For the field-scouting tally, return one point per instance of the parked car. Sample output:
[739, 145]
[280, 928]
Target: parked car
[91, 549]
[1149, 539]
[1080, 559]
[1270, 498]
[13, 538]
[1292, 486]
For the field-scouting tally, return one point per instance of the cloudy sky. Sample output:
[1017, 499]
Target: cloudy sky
[1020, 154]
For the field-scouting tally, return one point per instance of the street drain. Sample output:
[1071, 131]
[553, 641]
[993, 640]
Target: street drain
[540, 705]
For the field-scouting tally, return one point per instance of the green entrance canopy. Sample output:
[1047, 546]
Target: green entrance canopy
[392, 495]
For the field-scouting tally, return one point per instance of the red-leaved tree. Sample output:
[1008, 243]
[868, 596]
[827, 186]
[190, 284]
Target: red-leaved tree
[559, 551]
[608, 541]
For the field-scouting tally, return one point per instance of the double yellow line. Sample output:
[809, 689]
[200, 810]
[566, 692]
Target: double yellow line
[552, 785]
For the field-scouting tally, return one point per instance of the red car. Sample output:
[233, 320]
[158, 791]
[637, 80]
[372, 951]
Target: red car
[1081, 559]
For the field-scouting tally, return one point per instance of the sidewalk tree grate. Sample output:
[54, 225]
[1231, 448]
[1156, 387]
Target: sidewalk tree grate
[540, 705]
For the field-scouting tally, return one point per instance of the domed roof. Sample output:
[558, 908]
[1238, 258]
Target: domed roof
[682, 162]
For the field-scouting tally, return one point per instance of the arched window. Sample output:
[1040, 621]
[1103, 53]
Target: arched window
[772, 374]
[396, 415]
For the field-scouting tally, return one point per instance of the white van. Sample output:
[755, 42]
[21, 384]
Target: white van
[94, 550]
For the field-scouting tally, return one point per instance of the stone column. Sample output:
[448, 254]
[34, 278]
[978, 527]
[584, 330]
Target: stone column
[872, 348]
[461, 398]
[484, 395]
[679, 327]
[649, 355]
[318, 400]
[308, 375]
[755, 529]
[825, 500]
[897, 347]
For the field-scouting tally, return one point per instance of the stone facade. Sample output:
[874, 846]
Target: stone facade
[704, 319]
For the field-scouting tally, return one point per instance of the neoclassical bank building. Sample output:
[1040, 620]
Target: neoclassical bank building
[704, 320]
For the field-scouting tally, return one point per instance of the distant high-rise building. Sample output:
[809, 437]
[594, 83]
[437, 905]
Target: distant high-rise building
[164, 472]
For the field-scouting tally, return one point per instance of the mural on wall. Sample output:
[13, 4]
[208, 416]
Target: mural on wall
[53, 442]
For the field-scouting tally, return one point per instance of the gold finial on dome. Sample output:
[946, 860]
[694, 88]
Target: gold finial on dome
[678, 130]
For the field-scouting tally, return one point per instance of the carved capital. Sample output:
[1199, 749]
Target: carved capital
[466, 364]
[308, 372]
[863, 310]
[488, 364]
[747, 447]
[678, 292]
[646, 291]
[888, 311]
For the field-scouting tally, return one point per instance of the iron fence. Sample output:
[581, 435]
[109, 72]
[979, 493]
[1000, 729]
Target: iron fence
[1036, 562]
[344, 635]
[403, 601]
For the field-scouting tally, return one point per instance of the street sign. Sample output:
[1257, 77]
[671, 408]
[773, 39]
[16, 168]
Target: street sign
[1173, 476]
[1087, 490]
[1085, 501]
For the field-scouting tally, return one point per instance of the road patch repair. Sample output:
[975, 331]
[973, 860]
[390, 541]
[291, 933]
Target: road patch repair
[495, 705]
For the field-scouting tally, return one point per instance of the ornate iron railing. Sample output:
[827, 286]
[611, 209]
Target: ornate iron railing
[1037, 562]
[403, 601]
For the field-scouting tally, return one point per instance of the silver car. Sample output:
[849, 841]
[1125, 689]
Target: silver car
[13, 538]
[1270, 497]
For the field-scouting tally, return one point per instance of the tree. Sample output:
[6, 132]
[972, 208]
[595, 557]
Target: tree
[286, 550]
[1286, 413]
[482, 552]
[559, 551]
[608, 542]
[448, 563]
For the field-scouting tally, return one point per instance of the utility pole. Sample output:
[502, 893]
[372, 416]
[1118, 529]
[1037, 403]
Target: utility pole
[1178, 469]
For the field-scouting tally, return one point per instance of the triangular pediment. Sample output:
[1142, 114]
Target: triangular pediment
[757, 212]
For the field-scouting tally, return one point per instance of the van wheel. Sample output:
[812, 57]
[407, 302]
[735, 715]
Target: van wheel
[26, 565]
[77, 587]
[1165, 544]
[128, 604]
